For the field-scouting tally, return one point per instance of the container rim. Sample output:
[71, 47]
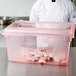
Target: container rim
[72, 30]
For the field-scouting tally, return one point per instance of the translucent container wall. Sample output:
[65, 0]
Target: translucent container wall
[39, 42]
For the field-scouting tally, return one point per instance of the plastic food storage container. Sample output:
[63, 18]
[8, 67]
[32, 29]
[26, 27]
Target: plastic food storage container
[39, 42]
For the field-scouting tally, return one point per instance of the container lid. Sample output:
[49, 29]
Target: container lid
[40, 28]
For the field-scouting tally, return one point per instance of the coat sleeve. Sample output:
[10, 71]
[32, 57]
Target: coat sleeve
[34, 13]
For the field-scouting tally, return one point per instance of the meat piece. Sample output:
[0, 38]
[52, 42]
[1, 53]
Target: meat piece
[43, 50]
[38, 54]
[42, 60]
[48, 55]
[59, 57]
[31, 58]
[37, 59]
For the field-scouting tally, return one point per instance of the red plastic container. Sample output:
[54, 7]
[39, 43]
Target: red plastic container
[23, 37]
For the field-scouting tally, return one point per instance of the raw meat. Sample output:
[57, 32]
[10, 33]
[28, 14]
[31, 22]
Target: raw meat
[39, 55]
[43, 56]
